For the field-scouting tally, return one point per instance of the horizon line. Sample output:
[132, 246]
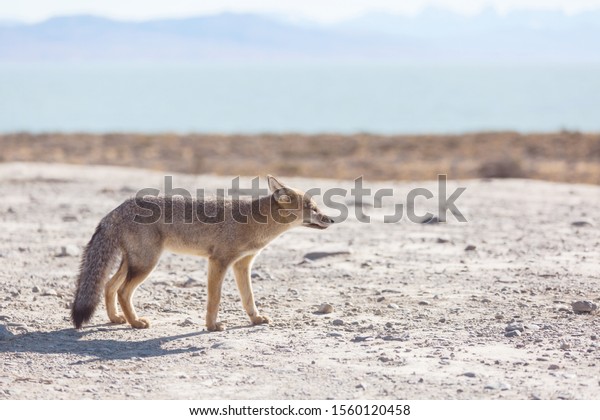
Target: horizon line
[294, 19]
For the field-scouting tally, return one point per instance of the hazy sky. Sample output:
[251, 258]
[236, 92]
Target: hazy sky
[319, 10]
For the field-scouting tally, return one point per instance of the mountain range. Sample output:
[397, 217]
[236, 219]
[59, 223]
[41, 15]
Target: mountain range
[432, 36]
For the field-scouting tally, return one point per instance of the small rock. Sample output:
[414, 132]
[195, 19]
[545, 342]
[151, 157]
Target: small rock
[385, 359]
[361, 338]
[380, 298]
[470, 248]
[334, 334]
[532, 327]
[514, 333]
[429, 220]
[191, 282]
[584, 306]
[187, 323]
[565, 346]
[502, 386]
[337, 322]
[35, 289]
[393, 306]
[424, 303]
[325, 308]
[317, 255]
[514, 327]
[499, 316]
[50, 292]
[403, 337]
[442, 240]
[68, 251]
[581, 223]
[469, 374]
[553, 367]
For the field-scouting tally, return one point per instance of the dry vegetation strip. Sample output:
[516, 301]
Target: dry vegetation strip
[564, 156]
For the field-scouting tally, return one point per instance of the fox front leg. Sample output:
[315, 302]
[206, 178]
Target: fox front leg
[216, 274]
[242, 269]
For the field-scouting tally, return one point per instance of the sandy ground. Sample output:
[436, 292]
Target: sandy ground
[415, 314]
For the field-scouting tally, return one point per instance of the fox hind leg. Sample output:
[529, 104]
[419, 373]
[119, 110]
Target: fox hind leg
[136, 274]
[242, 270]
[110, 294]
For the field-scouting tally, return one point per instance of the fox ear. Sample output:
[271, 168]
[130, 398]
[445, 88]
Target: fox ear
[274, 184]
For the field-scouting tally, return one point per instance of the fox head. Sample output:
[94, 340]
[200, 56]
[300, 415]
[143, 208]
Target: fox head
[296, 207]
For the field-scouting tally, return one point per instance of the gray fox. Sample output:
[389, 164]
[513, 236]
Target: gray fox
[230, 233]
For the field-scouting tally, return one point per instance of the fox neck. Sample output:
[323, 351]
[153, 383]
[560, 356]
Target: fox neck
[270, 217]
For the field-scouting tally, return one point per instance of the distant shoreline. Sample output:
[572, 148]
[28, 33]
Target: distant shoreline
[562, 156]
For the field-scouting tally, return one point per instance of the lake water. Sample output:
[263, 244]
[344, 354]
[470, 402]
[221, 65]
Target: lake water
[297, 98]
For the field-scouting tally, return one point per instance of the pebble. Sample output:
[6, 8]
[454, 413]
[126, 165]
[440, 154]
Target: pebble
[361, 338]
[317, 255]
[424, 303]
[337, 322]
[325, 308]
[380, 298]
[581, 223]
[513, 333]
[393, 306]
[50, 292]
[502, 386]
[35, 289]
[532, 327]
[553, 367]
[498, 316]
[470, 248]
[68, 251]
[191, 282]
[469, 374]
[187, 323]
[334, 334]
[514, 327]
[565, 346]
[583, 306]
[429, 220]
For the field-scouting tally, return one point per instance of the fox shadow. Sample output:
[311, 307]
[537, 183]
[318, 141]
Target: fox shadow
[77, 342]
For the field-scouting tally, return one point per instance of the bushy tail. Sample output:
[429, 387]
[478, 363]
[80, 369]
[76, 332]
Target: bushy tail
[98, 257]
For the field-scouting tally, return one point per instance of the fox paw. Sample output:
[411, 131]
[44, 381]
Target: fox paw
[117, 319]
[140, 323]
[261, 319]
[217, 326]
